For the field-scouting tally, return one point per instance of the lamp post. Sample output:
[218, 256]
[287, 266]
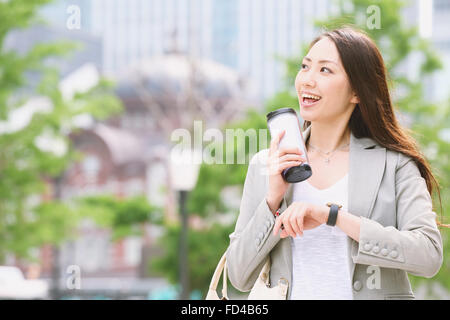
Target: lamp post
[183, 171]
[55, 290]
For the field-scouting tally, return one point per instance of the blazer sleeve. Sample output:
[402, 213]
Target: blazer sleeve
[252, 239]
[416, 244]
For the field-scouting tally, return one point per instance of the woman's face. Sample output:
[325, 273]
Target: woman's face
[322, 85]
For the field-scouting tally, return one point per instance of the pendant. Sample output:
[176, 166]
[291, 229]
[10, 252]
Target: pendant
[327, 160]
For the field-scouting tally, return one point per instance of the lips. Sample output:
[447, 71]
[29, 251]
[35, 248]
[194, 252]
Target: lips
[309, 99]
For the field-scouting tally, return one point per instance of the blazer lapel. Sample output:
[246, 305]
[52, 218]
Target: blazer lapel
[366, 168]
[367, 162]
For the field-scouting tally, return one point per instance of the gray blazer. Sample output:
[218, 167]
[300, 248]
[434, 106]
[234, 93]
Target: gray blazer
[398, 232]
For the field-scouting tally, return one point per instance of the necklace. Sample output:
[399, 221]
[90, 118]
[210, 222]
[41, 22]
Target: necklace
[327, 155]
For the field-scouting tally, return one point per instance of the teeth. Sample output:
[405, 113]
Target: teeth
[310, 96]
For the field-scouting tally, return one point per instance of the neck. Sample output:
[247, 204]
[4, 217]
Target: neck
[329, 136]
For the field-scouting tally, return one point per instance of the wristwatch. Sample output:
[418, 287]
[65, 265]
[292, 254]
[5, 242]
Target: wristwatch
[332, 216]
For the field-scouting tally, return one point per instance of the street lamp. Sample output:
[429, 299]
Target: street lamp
[184, 166]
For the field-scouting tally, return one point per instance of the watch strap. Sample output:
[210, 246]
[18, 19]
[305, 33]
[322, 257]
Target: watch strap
[332, 216]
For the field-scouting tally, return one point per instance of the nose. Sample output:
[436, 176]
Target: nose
[307, 79]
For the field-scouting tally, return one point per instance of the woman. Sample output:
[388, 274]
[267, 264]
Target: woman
[363, 162]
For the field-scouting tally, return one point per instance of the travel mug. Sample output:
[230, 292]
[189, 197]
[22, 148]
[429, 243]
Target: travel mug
[286, 119]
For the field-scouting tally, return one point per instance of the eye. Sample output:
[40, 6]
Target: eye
[303, 66]
[327, 70]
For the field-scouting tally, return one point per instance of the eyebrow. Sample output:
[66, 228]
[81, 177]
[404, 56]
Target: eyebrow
[321, 61]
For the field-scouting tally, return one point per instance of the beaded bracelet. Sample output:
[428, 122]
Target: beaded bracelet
[277, 214]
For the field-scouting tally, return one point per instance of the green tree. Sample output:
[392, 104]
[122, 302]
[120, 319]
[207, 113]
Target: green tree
[123, 216]
[25, 164]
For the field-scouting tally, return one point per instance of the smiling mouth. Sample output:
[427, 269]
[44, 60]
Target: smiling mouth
[309, 100]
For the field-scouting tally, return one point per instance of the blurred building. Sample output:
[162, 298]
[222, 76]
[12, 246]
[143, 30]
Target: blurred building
[127, 155]
[247, 36]
[88, 51]
[244, 35]
[432, 18]
[114, 164]
[441, 39]
[58, 11]
[273, 29]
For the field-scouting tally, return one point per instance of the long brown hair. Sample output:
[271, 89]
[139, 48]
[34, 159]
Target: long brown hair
[374, 116]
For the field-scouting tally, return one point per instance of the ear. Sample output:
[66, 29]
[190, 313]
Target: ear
[354, 98]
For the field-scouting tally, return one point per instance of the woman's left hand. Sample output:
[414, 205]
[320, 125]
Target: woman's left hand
[300, 216]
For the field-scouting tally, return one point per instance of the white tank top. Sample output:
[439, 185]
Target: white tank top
[319, 258]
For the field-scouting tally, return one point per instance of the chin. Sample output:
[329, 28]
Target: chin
[308, 115]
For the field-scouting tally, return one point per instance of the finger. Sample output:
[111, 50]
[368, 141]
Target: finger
[287, 150]
[275, 141]
[288, 164]
[293, 223]
[277, 226]
[300, 220]
[291, 160]
[291, 157]
[275, 160]
[283, 234]
[300, 226]
[288, 228]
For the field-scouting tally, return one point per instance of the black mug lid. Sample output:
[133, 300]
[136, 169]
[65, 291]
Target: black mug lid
[298, 173]
[272, 114]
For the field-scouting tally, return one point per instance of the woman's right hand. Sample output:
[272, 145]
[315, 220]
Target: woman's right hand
[278, 160]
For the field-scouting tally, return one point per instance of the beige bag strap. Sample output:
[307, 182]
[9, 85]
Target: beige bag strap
[265, 271]
[224, 281]
[221, 266]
